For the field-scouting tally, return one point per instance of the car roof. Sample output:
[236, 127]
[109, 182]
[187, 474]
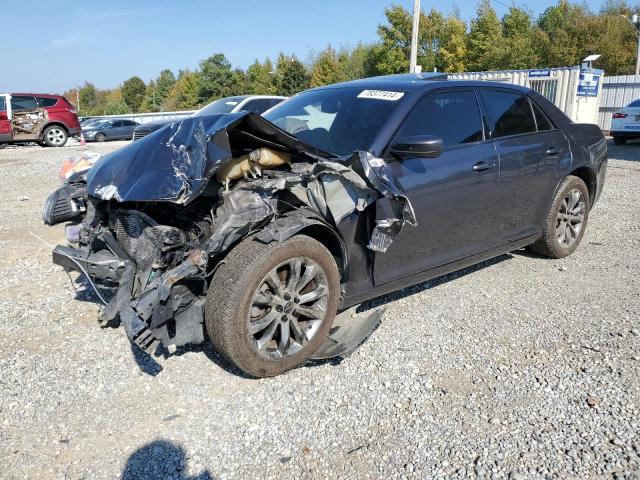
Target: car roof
[419, 81]
[46, 95]
[266, 96]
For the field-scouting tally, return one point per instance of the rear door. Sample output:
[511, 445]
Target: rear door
[127, 129]
[533, 153]
[453, 195]
[5, 120]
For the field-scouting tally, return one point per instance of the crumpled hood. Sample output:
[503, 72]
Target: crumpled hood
[175, 164]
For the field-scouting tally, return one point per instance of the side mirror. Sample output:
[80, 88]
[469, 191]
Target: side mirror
[425, 146]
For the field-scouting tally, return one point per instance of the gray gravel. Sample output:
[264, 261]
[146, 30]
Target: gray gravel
[518, 368]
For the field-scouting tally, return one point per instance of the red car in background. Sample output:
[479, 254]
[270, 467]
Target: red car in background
[37, 117]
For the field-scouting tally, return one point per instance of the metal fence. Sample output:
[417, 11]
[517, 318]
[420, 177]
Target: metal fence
[617, 92]
[149, 117]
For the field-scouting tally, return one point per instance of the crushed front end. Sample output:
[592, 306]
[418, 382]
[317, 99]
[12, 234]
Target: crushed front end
[150, 223]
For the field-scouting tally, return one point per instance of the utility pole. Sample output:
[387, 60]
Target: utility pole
[413, 61]
[635, 23]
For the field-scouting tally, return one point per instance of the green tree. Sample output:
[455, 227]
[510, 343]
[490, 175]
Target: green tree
[133, 91]
[260, 78]
[88, 97]
[150, 102]
[163, 85]
[215, 79]
[485, 42]
[519, 40]
[325, 69]
[454, 46]
[185, 92]
[291, 75]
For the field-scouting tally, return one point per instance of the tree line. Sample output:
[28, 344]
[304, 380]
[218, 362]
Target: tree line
[561, 36]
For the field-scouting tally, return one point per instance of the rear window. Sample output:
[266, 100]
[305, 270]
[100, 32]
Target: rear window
[47, 102]
[20, 102]
[542, 121]
[635, 103]
[509, 113]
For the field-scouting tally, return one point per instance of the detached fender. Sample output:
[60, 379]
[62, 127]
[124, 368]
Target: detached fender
[307, 222]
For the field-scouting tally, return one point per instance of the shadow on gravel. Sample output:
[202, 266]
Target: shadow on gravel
[629, 152]
[421, 287]
[160, 459]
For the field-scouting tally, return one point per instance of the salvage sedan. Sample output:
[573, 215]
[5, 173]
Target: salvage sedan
[262, 232]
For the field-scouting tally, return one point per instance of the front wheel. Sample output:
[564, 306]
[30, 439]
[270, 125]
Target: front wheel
[566, 220]
[55, 136]
[101, 137]
[269, 307]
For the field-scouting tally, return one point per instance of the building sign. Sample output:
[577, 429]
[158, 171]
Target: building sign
[588, 84]
[539, 73]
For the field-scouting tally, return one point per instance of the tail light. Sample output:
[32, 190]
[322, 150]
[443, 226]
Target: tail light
[619, 115]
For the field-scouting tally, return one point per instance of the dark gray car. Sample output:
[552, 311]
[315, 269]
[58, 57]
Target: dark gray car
[264, 231]
[111, 129]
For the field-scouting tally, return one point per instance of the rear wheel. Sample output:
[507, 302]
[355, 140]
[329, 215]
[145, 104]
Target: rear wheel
[620, 140]
[566, 220]
[55, 136]
[269, 307]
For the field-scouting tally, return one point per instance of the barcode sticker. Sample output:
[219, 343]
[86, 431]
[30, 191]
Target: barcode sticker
[381, 95]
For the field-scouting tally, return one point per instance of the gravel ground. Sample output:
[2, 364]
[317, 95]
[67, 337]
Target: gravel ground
[521, 367]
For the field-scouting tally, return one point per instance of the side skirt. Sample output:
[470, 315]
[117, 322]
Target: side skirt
[380, 290]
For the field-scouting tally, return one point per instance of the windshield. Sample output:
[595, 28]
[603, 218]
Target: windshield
[222, 105]
[336, 120]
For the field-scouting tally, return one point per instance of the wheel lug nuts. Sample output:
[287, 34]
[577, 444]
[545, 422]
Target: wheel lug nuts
[287, 296]
[284, 318]
[279, 308]
[296, 300]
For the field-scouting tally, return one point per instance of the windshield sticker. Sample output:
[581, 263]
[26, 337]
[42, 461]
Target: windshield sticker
[381, 95]
[230, 102]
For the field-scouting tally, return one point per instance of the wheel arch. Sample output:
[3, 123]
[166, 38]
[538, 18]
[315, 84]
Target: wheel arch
[302, 222]
[588, 176]
[52, 124]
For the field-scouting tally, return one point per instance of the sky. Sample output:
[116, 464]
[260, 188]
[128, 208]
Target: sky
[48, 50]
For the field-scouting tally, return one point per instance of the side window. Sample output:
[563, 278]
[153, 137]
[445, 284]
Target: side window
[117, 123]
[257, 106]
[542, 121]
[453, 116]
[509, 113]
[3, 105]
[20, 102]
[47, 102]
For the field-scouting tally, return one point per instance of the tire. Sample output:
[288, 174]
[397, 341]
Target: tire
[100, 137]
[565, 217]
[241, 283]
[620, 140]
[3, 145]
[55, 136]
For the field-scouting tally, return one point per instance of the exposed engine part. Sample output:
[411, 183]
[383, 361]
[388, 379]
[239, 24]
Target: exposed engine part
[251, 165]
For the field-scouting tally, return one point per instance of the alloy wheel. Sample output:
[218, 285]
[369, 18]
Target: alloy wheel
[287, 308]
[56, 136]
[570, 219]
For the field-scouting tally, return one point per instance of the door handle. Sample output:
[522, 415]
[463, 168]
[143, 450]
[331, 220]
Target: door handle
[482, 166]
[554, 152]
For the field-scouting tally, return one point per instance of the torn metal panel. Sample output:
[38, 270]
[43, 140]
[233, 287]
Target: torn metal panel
[161, 211]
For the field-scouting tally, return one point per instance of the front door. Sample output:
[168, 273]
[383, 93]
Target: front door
[453, 195]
